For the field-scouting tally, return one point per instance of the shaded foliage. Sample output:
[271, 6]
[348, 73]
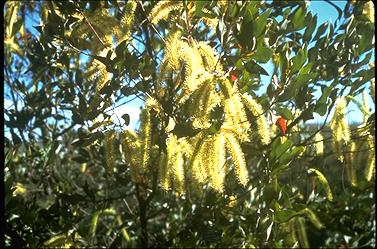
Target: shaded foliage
[58, 188]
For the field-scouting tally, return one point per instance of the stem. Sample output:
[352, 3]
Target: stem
[143, 218]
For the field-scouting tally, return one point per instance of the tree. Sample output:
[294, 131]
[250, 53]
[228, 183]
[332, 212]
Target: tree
[208, 165]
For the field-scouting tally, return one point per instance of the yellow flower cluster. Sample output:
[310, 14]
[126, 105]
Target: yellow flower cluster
[97, 71]
[371, 163]
[136, 147]
[318, 143]
[202, 159]
[235, 115]
[351, 163]
[261, 121]
[163, 9]
[339, 128]
[109, 139]
[193, 71]
[368, 10]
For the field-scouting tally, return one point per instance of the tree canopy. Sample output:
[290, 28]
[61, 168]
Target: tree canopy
[221, 157]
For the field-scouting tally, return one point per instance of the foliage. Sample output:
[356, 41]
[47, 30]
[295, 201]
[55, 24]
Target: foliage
[207, 166]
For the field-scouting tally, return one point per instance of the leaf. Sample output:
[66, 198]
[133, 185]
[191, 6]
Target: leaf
[254, 68]
[299, 60]
[250, 11]
[294, 87]
[283, 216]
[263, 54]
[320, 31]
[278, 149]
[16, 139]
[100, 124]
[260, 23]
[322, 179]
[123, 229]
[126, 119]
[245, 35]
[269, 229]
[326, 90]
[308, 113]
[12, 20]
[309, 30]
[298, 19]
[94, 223]
[56, 240]
[294, 153]
[87, 140]
[285, 112]
[109, 211]
[17, 26]
[321, 109]
[82, 104]
[199, 6]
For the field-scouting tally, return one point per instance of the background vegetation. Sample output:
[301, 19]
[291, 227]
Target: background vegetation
[59, 188]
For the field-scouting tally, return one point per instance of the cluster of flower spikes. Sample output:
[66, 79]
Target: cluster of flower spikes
[195, 71]
[342, 139]
[339, 128]
[91, 24]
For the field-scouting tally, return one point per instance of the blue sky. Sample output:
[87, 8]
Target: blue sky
[324, 11]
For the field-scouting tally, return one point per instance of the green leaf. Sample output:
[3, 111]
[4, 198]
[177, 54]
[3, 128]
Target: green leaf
[321, 109]
[263, 54]
[76, 118]
[308, 113]
[109, 212]
[364, 76]
[361, 106]
[309, 30]
[298, 19]
[286, 95]
[286, 158]
[99, 124]
[123, 229]
[199, 6]
[87, 140]
[299, 60]
[82, 104]
[320, 31]
[326, 90]
[126, 119]
[279, 148]
[250, 11]
[94, 223]
[285, 112]
[254, 68]
[302, 79]
[283, 216]
[294, 87]
[17, 26]
[56, 240]
[260, 23]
